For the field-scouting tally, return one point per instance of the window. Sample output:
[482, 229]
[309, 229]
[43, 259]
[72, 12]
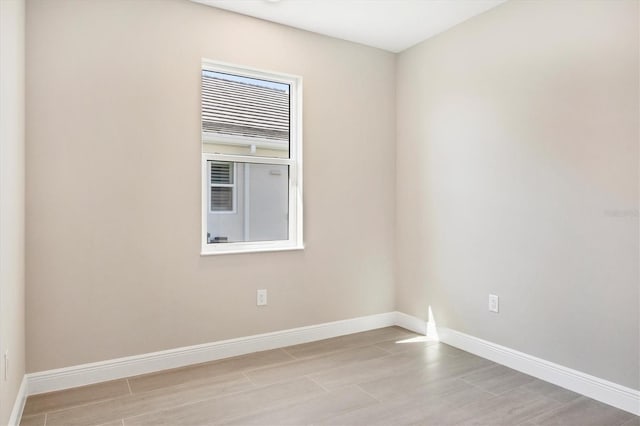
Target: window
[222, 194]
[251, 160]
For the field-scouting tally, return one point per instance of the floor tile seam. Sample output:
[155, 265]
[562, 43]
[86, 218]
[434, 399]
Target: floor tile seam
[356, 346]
[71, 407]
[629, 423]
[354, 363]
[293, 357]
[483, 411]
[281, 380]
[278, 365]
[330, 368]
[509, 375]
[284, 404]
[192, 402]
[192, 382]
[328, 353]
[483, 368]
[310, 357]
[155, 410]
[402, 337]
[266, 367]
[246, 376]
[535, 396]
[545, 411]
[450, 405]
[318, 342]
[41, 395]
[401, 401]
[202, 364]
[399, 370]
[359, 336]
[345, 411]
[559, 399]
[257, 386]
[272, 406]
[522, 386]
[441, 396]
[407, 347]
[287, 353]
[528, 402]
[407, 371]
[159, 373]
[474, 371]
[275, 364]
[317, 383]
[548, 411]
[557, 409]
[367, 393]
[477, 386]
[377, 345]
[97, 401]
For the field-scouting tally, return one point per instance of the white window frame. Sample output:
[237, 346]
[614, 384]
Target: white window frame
[295, 240]
[234, 190]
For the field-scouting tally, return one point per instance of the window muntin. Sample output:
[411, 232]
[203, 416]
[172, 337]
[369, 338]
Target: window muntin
[251, 160]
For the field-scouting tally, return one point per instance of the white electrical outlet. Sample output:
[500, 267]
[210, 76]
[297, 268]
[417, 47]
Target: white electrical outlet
[494, 303]
[261, 297]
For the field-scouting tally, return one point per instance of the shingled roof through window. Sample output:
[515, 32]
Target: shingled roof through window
[241, 109]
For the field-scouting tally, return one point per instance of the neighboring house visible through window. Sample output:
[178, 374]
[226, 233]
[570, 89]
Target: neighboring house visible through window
[222, 195]
[251, 160]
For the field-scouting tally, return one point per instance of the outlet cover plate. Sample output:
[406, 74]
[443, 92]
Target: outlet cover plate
[261, 297]
[494, 303]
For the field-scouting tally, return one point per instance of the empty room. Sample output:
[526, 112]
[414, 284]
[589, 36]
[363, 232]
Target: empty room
[332, 212]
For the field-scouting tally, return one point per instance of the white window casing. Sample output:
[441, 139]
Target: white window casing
[228, 122]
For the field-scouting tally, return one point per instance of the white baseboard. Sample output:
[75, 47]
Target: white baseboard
[411, 323]
[599, 389]
[86, 374]
[18, 405]
[64, 378]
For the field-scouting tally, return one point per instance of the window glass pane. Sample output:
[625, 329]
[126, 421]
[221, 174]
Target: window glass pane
[261, 206]
[221, 199]
[221, 172]
[244, 116]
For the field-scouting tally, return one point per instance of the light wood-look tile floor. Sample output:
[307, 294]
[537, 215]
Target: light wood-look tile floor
[388, 376]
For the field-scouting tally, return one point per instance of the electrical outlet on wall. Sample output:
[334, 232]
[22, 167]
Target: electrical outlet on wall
[494, 303]
[261, 297]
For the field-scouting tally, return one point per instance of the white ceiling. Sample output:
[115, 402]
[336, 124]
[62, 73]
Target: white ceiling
[392, 25]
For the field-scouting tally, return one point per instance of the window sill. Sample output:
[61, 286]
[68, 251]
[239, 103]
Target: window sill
[251, 250]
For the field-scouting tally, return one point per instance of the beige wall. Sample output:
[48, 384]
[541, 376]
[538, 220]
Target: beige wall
[12, 193]
[517, 160]
[113, 181]
[517, 174]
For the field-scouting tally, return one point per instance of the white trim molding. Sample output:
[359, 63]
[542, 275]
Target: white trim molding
[411, 323]
[18, 405]
[294, 161]
[86, 374]
[64, 378]
[602, 390]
